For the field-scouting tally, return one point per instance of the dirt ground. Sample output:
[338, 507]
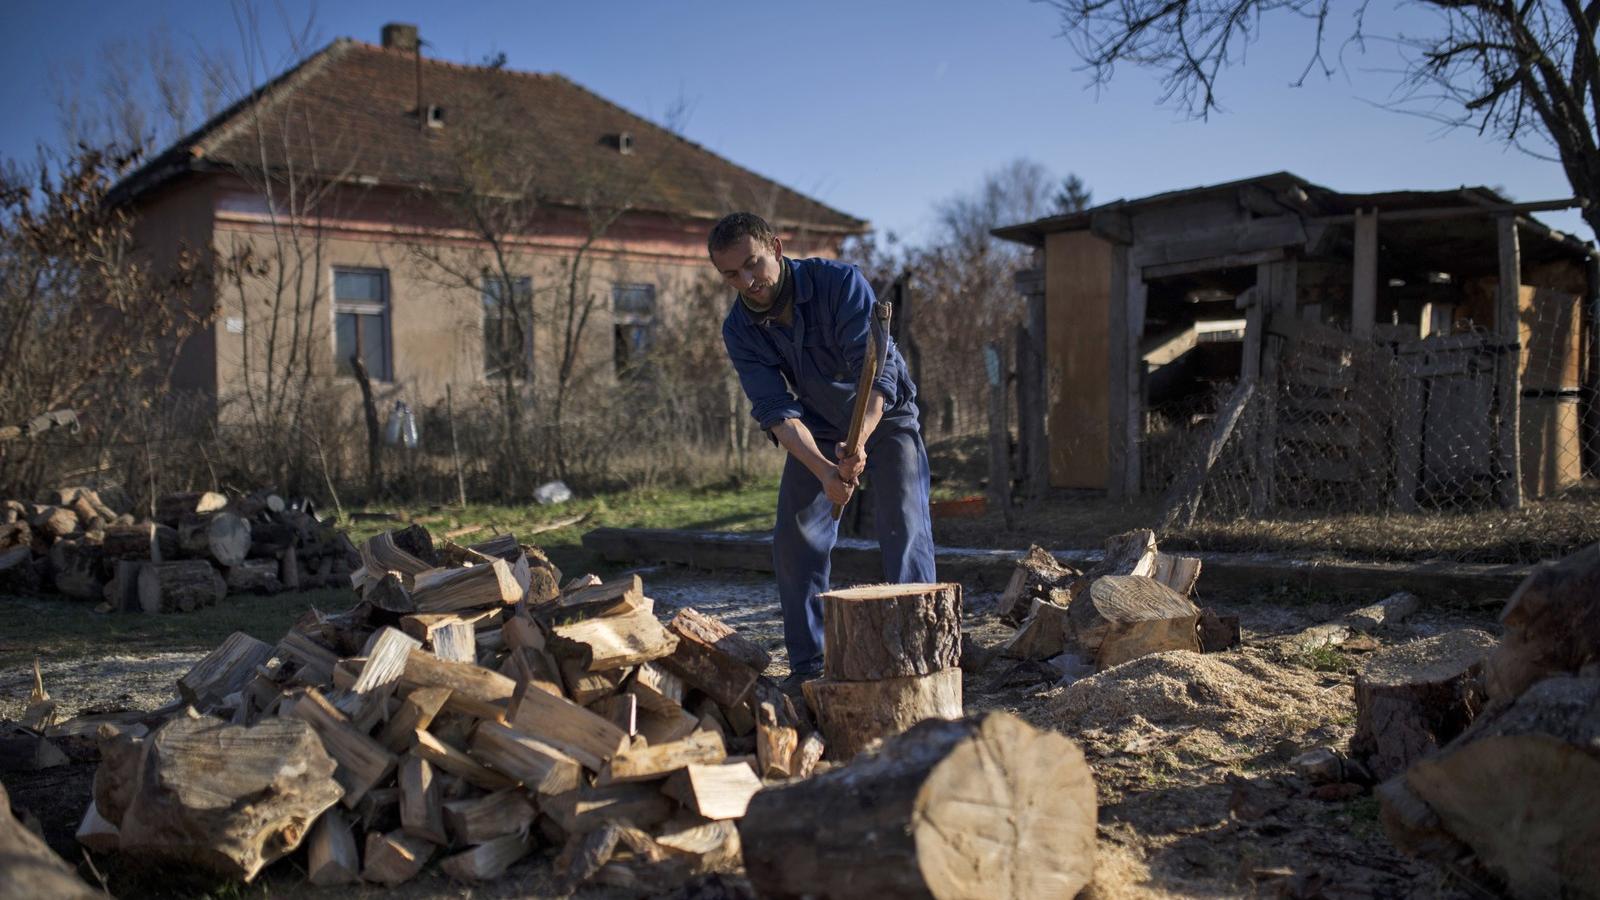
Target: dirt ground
[1191, 754]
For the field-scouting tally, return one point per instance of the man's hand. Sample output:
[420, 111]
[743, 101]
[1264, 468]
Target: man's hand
[837, 489]
[851, 467]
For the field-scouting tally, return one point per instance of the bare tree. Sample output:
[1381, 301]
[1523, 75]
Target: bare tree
[1524, 71]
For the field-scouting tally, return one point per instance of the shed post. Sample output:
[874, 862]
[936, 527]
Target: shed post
[1364, 275]
[1508, 452]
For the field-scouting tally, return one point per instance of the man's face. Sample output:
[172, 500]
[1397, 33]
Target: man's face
[750, 267]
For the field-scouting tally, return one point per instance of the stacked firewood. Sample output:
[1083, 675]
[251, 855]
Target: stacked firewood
[468, 707]
[198, 548]
[1135, 601]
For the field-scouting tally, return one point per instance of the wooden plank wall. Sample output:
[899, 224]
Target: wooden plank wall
[1078, 279]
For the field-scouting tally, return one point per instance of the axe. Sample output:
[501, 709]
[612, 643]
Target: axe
[876, 357]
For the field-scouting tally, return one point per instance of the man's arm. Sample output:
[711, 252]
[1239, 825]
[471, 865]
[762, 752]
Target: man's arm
[797, 439]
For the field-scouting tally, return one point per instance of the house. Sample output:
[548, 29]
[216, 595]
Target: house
[447, 224]
[1415, 347]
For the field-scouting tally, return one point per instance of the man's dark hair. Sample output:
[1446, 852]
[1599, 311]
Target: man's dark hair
[737, 225]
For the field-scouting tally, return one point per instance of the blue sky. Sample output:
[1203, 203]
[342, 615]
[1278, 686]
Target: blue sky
[878, 107]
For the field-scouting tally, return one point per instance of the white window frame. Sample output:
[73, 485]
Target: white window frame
[382, 308]
[527, 335]
[621, 319]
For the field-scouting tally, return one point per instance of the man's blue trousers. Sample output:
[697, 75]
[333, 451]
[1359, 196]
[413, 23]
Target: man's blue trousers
[803, 538]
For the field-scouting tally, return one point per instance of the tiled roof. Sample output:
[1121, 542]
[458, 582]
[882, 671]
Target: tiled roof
[350, 112]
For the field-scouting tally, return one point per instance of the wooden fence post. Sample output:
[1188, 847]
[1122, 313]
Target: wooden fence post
[1508, 452]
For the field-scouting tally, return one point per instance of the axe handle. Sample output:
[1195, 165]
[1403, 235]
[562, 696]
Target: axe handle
[877, 353]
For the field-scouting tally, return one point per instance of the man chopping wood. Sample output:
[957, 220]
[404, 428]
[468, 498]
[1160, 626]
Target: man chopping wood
[799, 335]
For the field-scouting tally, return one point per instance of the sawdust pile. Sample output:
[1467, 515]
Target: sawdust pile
[1214, 703]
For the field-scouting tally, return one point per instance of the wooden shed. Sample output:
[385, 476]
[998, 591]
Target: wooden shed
[1436, 342]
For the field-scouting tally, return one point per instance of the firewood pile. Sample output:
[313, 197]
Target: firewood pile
[1136, 601]
[469, 708]
[199, 547]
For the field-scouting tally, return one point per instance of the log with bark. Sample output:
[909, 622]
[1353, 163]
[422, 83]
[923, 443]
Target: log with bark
[29, 868]
[1044, 634]
[1518, 792]
[1552, 625]
[223, 671]
[1037, 576]
[221, 537]
[172, 508]
[253, 576]
[853, 714]
[182, 586]
[146, 542]
[1123, 617]
[1414, 698]
[79, 569]
[891, 631]
[714, 658]
[1386, 613]
[220, 796]
[982, 807]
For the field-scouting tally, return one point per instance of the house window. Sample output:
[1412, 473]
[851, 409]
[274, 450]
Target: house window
[361, 321]
[507, 328]
[633, 312]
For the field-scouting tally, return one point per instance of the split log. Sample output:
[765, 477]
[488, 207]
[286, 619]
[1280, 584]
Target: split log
[221, 537]
[474, 690]
[455, 642]
[1386, 612]
[147, 542]
[331, 856]
[487, 860]
[1044, 634]
[223, 671]
[254, 576]
[585, 809]
[586, 687]
[55, 522]
[575, 731]
[1552, 625]
[613, 642]
[363, 763]
[1217, 633]
[488, 584]
[95, 833]
[416, 711]
[661, 760]
[1037, 576]
[621, 710]
[480, 819]
[257, 503]
[658, 690]
[458, 763]
[29, 868]
[78, 569]
[172, 508]
[1123, 617]
[891, 631]
[776, 745]
[1519, 791]
[1415, 698]
[421, 814]
[26, 752]
[17, 574]
[586, 854]
[713, 657]
[1180, 573]
[183, 586]
[661, 727]
[540, 767]
[1130, 553]
[853, 714]
[714, 791]
[710, 845]
[983, 807]
[220, 796]
[612, 598]
[395, 858]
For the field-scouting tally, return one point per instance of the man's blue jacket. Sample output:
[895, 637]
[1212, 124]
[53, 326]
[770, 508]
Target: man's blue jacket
[809, 372]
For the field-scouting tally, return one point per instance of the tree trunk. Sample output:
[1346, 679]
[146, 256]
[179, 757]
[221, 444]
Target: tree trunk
[891, 631]
[853, 714]
[1552, 625]
[984, 807]
[1414, 698]
[369, 408]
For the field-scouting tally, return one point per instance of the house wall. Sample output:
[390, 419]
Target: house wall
[1078, 303]
[166, 224]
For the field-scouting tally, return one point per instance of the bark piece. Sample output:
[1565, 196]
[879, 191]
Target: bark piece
[1520, 789]
[221, 796]
[715, 791]
[983, 807]
[1415, 698]
[1035, 577]
[223, 671]
[480, 819]
[395, 858]
[853, 714]
[540, 767]
[1122, 617]
[1552, 625]
[182, 586]
[891, 631]
[714, 658]
[331, 857]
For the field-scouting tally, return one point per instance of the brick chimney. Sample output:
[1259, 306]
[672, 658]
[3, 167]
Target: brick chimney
[400, 36]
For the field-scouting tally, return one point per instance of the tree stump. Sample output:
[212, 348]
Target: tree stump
[1520, 790]
[891, 631]
[183, 586]
[222, 796]
[1123, 617]
[853, 714]
[983, 807]
[1415, 698]
[1552, 625]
